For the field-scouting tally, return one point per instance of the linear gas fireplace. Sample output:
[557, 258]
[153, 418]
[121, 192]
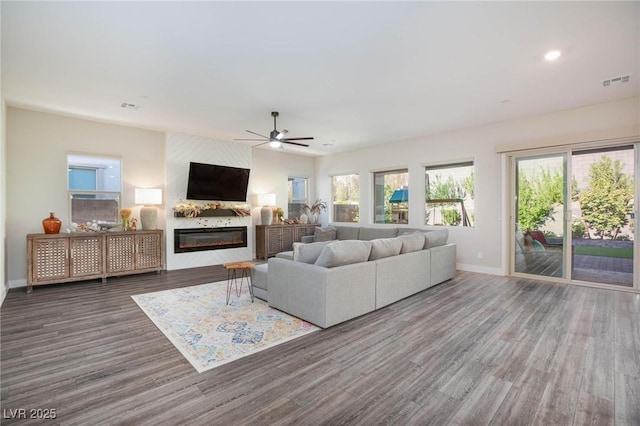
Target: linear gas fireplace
[201, 239]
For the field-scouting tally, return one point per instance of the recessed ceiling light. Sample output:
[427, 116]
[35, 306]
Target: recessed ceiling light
[552, 55]
[327, 144]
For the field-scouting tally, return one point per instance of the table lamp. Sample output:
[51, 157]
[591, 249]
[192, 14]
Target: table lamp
[148, 214]
[267, 201]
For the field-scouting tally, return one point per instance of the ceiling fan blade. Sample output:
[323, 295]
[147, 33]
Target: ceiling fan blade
[297, 139]
[295, 143]
[248, 140]
[258, 134]
[260, 144]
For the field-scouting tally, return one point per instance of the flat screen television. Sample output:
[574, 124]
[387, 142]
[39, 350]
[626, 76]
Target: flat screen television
[219, 183]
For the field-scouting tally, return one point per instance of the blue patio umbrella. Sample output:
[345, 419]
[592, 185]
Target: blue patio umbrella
[400, 196]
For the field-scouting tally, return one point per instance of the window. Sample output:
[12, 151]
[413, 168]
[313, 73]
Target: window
[298, 195]
[449, 194]
[391, 196]
[346, 198]
[94, 187]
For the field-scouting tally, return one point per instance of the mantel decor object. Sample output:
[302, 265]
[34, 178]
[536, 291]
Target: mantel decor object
[51, 224]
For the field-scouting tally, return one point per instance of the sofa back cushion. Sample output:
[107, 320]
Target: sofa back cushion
[368, 234]
[325, 234]
[412, 242]
[385, 247]
[436, 238]
[407, 231]
[348, 232]
[339, 253]
[308, 252]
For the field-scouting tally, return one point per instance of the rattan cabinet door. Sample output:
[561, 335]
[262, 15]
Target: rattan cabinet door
[274, 240]
[86, 256]
[49, 259]
[288, 238]
[148, 251]
[120, 253]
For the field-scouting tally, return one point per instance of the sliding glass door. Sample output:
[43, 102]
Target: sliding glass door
[539, 215]
[603, 216]
[574, 215]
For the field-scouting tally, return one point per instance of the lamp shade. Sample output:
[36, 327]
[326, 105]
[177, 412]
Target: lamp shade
[148, 196]
[266, 199]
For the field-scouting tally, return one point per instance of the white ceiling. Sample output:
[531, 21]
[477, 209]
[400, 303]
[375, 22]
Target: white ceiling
[351, 74]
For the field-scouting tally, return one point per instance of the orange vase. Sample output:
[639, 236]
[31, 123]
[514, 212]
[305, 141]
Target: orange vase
[51, 224]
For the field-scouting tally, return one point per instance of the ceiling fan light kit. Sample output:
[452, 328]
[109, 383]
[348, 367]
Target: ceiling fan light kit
[276, 138]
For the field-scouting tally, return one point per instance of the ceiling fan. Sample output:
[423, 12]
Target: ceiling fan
[276, 138]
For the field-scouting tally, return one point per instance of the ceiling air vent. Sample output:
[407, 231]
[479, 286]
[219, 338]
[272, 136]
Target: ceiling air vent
[616, 80]
[127, 105]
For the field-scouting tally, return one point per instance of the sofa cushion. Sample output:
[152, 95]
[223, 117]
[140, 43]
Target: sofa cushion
[436, 238]
[348, 232]
[308, 253]
[285, 255]
[259, 276]
[368, 234]
[412, 242]
[338, 253]
[408, 231]
[385, 247]
[325, 234]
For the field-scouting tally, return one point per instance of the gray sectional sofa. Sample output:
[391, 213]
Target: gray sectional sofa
[353, 271]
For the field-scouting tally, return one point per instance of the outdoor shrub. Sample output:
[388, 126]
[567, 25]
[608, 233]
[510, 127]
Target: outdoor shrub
[451, 217]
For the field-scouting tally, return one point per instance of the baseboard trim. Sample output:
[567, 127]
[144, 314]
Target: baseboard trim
[18, 283]
[479, 269]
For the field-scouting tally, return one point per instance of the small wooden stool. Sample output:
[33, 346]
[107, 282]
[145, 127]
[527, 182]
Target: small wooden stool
[232, 277]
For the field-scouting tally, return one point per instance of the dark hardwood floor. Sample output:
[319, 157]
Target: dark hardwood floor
[478, 349]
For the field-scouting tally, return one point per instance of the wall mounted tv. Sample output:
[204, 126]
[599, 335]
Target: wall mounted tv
[219, 183]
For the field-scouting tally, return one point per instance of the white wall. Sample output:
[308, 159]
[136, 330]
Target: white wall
[181, 150]
[478, 143]
[272, 169]
[4, 282]
[37, 147]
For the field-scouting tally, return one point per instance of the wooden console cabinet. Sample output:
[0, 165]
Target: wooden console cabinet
[273, 239]
[56, 258]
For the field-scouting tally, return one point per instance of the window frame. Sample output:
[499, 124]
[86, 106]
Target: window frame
[464, 219]
[290, 199]
[384, 172]
[105, 194]
[333, 200]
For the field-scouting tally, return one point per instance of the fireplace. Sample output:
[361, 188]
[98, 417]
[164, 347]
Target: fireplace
[202, 239]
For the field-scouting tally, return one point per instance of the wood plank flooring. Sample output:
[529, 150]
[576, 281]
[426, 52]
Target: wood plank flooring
[478, 349]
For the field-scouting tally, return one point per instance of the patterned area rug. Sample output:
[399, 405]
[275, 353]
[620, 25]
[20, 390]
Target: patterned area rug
[210, 333]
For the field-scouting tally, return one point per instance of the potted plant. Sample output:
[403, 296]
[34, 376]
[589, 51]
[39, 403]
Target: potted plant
[314, 210]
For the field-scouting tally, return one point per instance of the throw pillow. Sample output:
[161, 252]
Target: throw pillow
[412, 242]
[338, 253]
[436, 238]
[325, 234]
[309, 252]
[385, 247]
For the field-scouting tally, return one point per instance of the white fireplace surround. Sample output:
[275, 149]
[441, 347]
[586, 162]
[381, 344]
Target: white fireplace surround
[180, 151]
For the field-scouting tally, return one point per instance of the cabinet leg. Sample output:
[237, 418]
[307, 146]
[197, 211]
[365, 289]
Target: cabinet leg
[29, 288]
